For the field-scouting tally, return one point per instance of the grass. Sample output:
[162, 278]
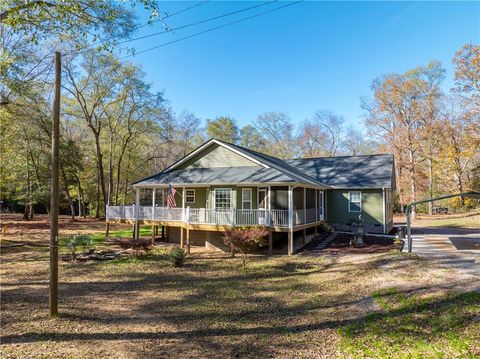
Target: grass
[415, 326]
[96, 240]
[300, 306]
[468, 221]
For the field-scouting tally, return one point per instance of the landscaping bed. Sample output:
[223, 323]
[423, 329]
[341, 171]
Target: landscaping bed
[373, 244]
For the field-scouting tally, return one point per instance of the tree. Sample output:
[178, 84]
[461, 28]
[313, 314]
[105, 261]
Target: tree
[460, 145]
[72, 19]
[245, 240]
[467, 77]
[356, 143]
[252, 139]
[322, 135]
[402, 109]
[223, 128]
[277, 129]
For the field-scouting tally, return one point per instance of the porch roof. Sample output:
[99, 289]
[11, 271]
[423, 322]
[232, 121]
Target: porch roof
[219, 176]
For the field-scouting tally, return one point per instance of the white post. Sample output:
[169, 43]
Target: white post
[316, 205]
[269, 206]
[183, 204]
[384, 209]
[290, 220]
[304, 205]
[137, 211]
[153, 203]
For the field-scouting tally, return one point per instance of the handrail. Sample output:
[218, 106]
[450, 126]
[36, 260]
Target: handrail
[229, 217]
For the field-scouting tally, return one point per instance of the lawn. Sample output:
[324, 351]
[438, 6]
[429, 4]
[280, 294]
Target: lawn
[454, 221]
[372, 305]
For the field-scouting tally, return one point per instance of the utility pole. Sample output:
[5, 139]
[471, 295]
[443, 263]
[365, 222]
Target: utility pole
[54, 198]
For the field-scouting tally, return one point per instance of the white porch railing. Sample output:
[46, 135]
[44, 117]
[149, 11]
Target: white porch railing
[232, 217]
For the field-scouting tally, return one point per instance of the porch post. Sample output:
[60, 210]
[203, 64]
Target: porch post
[153, 203]
[290, 220]
[183, 204]
[188, 240]
[316, 204]
[181, 237]
[137, 212]
[270, 243]
[304, 205]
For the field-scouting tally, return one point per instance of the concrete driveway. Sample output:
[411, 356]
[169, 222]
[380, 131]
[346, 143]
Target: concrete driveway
[442, 241]
[456, 248]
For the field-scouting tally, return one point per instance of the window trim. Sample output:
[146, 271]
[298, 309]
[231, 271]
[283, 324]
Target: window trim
[250, 201]
[350, 202]
[187, 195]
[215, 197]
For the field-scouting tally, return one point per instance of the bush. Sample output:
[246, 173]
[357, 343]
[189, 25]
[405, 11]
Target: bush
[177, 257]
[246, 239]
[79, 241]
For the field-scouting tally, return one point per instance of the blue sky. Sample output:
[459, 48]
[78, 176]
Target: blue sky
[303, 58]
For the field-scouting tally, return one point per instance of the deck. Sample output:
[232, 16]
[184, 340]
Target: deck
[203, 216]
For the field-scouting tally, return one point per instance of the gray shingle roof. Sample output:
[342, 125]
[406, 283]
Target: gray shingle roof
[218, 175]
[373, 171]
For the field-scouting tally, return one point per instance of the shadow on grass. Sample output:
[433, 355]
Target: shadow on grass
[211, 305]
[417, 325]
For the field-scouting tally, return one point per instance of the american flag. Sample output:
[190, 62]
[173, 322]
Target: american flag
[171, 197]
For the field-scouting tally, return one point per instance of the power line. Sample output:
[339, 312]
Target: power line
[212, 29]
[170, 15]
[162, 19]
[87, 48]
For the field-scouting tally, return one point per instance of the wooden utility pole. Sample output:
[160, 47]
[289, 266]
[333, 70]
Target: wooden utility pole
[54, 198]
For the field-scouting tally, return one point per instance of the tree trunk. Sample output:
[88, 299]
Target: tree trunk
[430, 184]
[413, 184]
[110, 170]
[97, 196]
[67, 193]
[28, 203]
[82, 212]
[101, 172]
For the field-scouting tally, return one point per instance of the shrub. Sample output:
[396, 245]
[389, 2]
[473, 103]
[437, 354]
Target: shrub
[177, 256]
[246, 239]
[79, 241]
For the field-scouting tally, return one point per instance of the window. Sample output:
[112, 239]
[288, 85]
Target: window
[223, 198]
[355, 201]
[246, 198]
[190, 196]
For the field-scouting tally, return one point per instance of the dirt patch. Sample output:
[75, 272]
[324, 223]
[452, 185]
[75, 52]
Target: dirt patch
[341, 245]
[14, 228]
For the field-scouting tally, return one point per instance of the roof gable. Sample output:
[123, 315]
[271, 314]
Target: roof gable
[214, 156]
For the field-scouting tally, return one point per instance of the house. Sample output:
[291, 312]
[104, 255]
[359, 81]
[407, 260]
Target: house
[220, 185]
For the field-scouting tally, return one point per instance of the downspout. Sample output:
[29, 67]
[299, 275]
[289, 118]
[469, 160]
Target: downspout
[384, 214]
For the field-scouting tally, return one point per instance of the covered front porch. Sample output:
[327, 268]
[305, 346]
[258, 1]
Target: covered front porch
[211, 208]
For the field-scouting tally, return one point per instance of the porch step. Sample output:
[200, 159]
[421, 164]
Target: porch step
[319, 243]
[323, 244]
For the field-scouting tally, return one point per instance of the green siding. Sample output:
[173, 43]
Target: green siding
[200, 198]
[216, 156]
[372, 207]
